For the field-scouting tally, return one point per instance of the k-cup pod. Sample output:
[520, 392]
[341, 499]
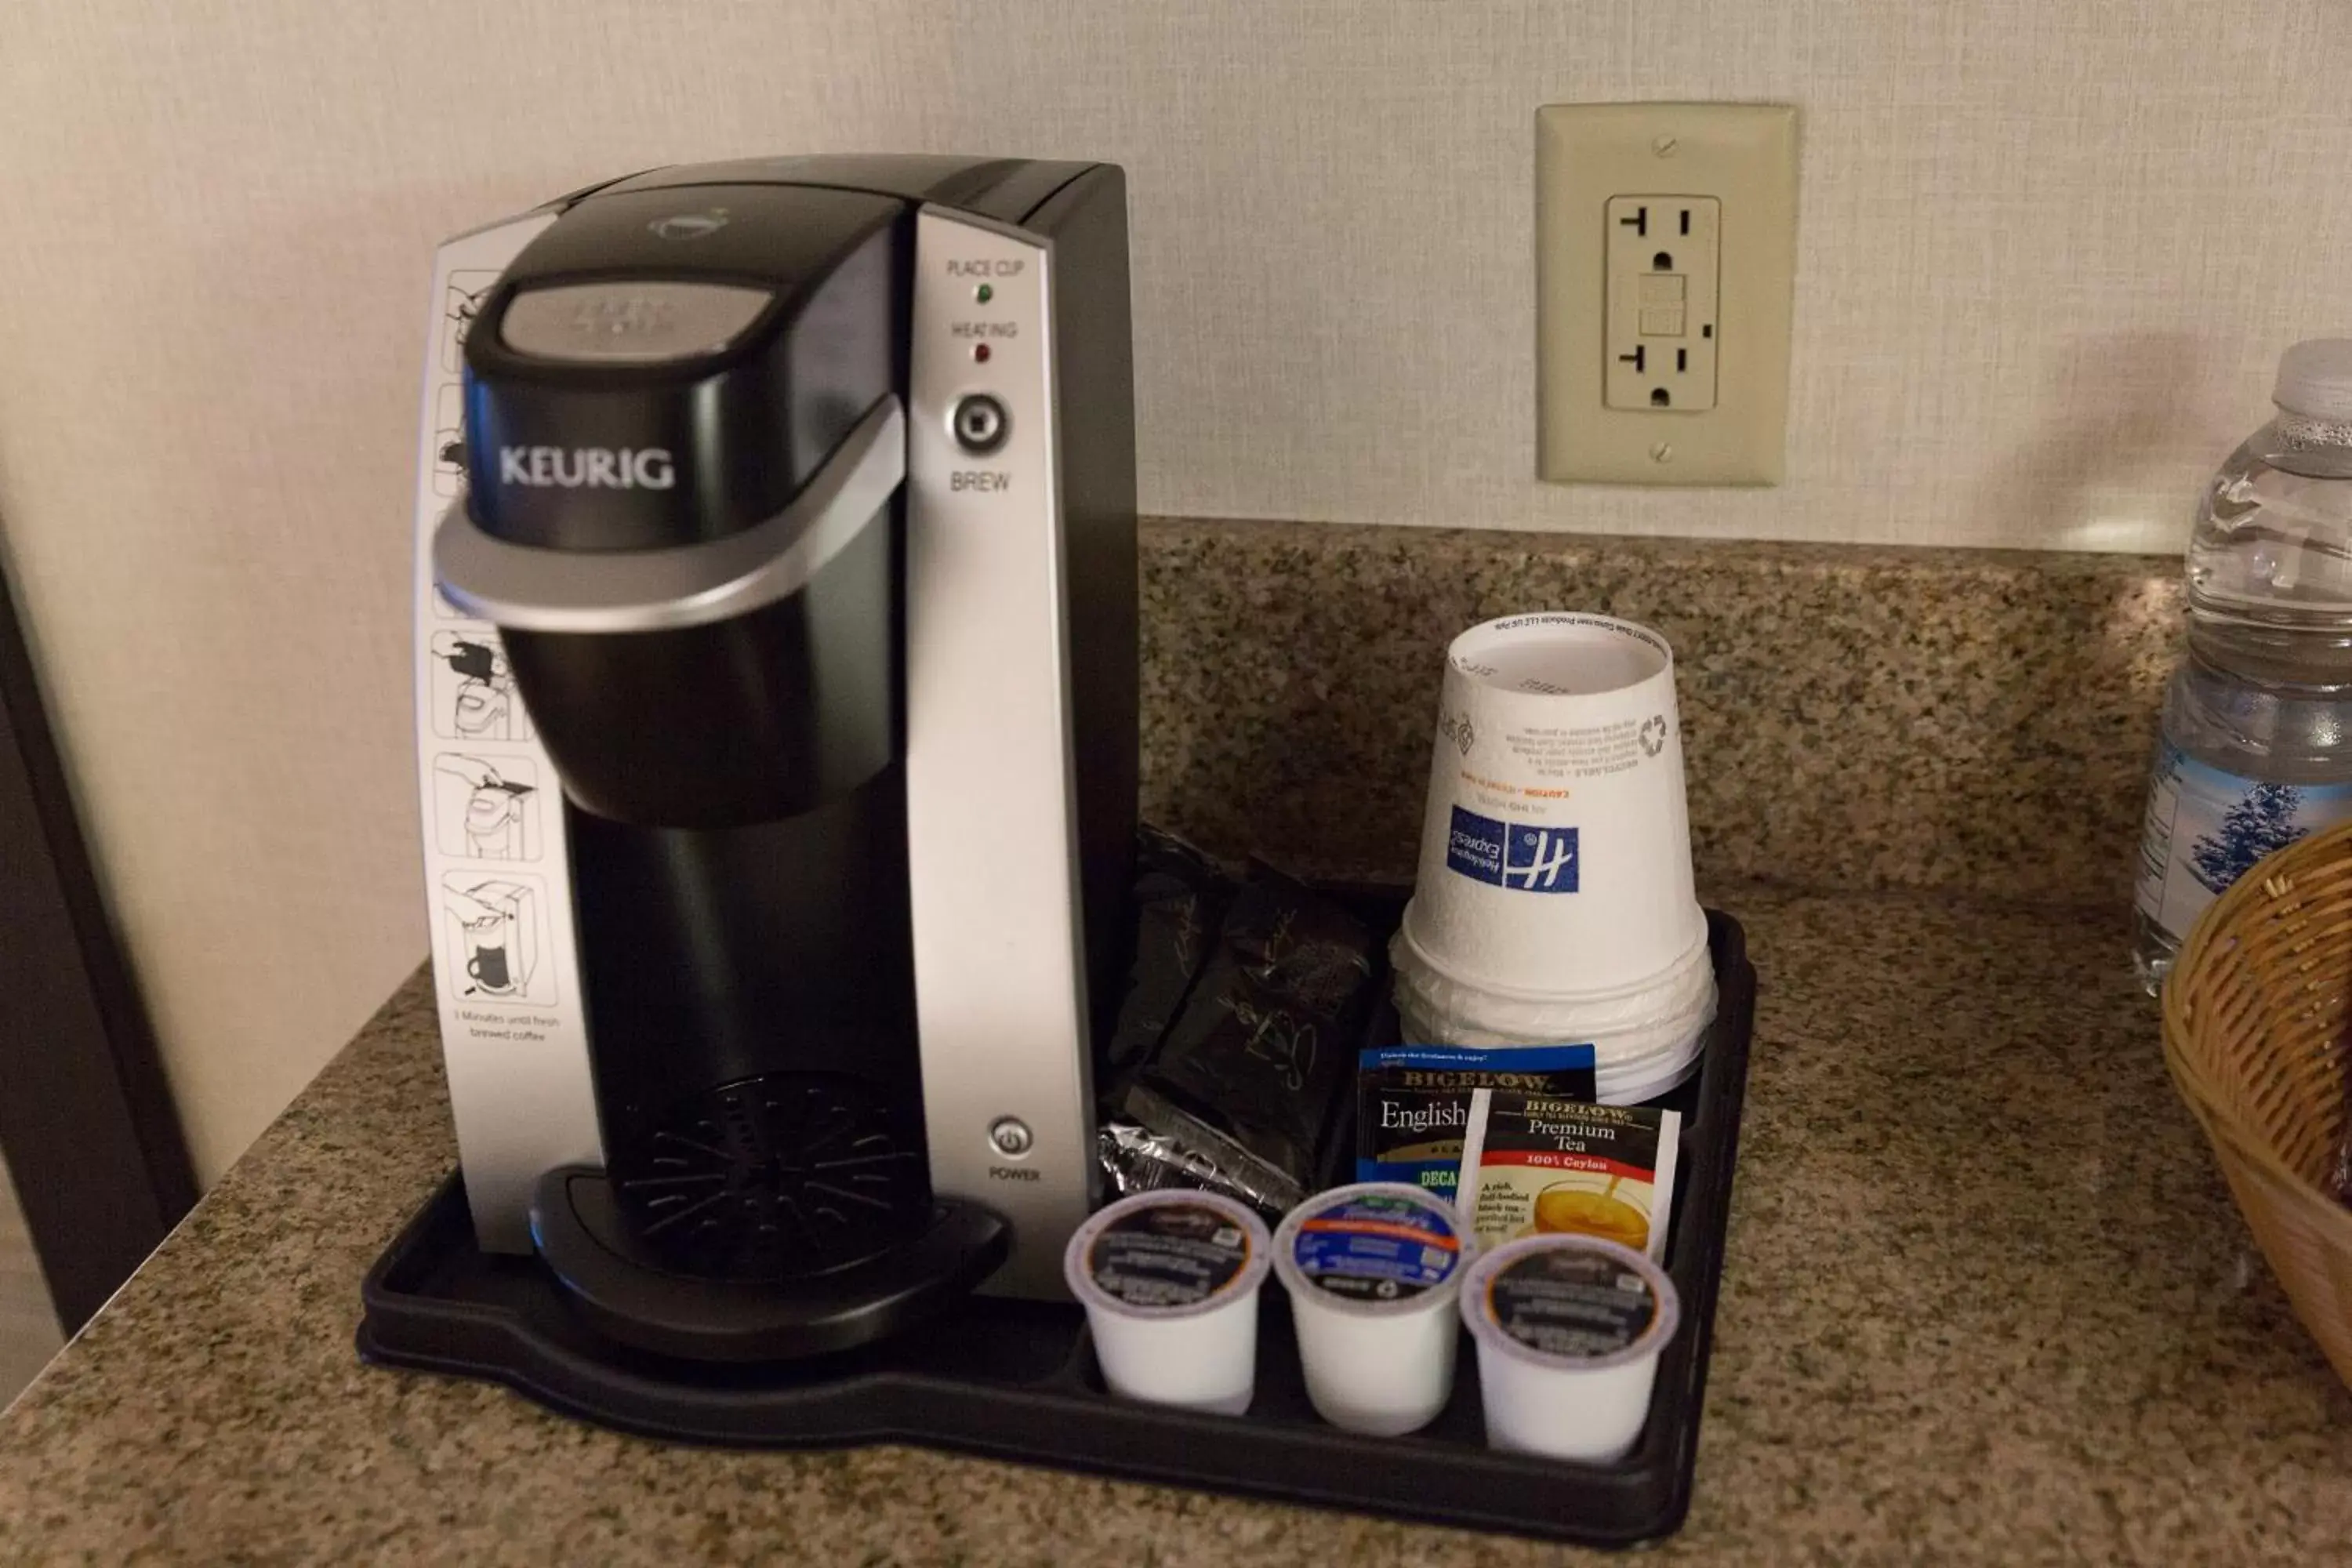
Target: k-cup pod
[1555, 851]
[1169, 1282]
[1372, 1271]
[1568, 1328]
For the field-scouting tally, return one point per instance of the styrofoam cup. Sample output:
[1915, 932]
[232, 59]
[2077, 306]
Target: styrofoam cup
[1555, 852]
[1629, 1065]
[1170, 1281]
[1372, 1270]
[1568, 1328]
[1635, 1088]
[1688, 978]
[1617, 1084]
[1638, 1035]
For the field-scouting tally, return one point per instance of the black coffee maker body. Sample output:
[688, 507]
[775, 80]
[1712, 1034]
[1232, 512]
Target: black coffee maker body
[797, 500]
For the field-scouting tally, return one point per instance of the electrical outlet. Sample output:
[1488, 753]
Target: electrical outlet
[1658, 342]
[1665, 265]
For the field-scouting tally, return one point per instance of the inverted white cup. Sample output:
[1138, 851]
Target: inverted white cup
[1569, 1330]
[1618, 1083]
[1631, 1063]
[1372, 1270]
[1170, 1280]
[1613, 1051]
[1555, 852]
[1683, 981]
[1638, 1085]
[1661, 1017]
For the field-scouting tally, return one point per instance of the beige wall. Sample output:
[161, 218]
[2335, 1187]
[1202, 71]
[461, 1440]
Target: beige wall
[2047, 249]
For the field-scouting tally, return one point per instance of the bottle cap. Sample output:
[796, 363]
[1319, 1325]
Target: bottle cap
[2315, 379]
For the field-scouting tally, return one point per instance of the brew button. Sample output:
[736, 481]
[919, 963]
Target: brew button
[1010, 1137]
[979, 424]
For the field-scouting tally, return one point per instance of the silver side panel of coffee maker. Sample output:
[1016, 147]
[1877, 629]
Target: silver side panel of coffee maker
[1000, 974]
[497, 872]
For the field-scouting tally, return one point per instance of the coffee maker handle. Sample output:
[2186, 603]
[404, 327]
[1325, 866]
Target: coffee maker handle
[527, 588]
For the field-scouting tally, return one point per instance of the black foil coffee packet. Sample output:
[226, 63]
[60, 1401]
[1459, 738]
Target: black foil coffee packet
[1181, 898]
[1250, 1073]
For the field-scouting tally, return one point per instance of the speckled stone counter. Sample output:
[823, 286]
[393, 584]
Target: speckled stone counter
[1986, 1301]
[1852, 717]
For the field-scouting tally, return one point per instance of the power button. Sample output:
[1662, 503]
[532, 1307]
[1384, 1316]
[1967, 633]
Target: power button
[1010, 1136]
[979, 423]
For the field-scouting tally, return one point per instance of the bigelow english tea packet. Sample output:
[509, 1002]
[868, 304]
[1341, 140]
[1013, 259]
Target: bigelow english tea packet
[1546, 1164]
[1413, 1102]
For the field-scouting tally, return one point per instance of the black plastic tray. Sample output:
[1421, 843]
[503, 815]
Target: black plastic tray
[1016, 1380]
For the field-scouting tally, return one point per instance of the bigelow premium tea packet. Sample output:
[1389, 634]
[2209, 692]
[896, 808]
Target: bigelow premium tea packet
[1546, 1164]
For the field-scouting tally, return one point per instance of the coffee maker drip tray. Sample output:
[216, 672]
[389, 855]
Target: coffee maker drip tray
[630, 1294]
[777, 1216]
[772, 1178]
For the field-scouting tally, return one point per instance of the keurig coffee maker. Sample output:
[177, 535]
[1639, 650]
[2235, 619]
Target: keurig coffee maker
[779, 516]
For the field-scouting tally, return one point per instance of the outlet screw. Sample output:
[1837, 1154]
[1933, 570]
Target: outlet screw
[1662, 452]
[1663, 146]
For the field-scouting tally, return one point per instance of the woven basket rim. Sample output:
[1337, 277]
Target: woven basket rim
[2313, 1204]
[2316, 1204]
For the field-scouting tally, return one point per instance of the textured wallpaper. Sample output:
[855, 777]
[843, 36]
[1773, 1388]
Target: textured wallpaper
[2048, 250]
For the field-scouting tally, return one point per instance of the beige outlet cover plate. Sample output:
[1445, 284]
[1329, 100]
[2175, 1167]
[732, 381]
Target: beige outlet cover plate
[1741, 156]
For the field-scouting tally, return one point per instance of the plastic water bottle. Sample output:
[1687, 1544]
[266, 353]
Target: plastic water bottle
[2257, 744]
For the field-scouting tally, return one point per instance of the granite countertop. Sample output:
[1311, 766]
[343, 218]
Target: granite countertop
[1986, 1300]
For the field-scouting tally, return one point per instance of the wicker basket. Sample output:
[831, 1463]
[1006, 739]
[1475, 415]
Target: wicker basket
[2257, 1028]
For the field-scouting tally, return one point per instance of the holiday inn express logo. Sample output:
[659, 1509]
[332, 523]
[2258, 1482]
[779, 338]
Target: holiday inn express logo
[1512, 855]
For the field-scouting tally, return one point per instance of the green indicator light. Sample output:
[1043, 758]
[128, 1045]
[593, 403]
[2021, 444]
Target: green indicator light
[983, 293]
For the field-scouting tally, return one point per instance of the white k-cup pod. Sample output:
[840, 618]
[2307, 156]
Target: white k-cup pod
[1170, 1281]
[1555, 851]
[1568, 1328]
[1372, 1271]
